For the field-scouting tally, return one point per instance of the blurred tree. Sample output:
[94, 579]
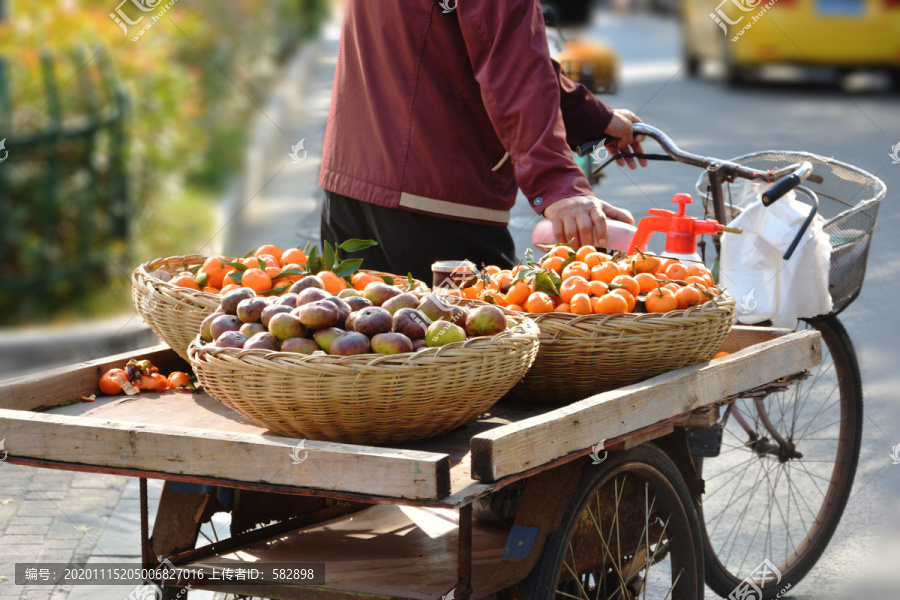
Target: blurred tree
[193, 78]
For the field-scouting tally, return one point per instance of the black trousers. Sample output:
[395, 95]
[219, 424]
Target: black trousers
[409, 242]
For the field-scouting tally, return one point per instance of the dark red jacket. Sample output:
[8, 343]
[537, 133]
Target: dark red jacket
[426, 103]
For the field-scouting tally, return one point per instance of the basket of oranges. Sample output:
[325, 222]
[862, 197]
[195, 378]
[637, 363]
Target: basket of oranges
[173, 295]
[608, 321]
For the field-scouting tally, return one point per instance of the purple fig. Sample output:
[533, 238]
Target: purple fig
[350, 343]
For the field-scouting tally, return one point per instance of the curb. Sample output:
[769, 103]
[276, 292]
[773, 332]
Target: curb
[33, 349]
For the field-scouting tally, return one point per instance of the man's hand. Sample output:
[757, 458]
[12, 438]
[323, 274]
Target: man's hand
[581, 220]
[620, 128]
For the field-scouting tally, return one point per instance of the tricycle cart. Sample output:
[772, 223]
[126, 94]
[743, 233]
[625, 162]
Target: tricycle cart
[603, 490]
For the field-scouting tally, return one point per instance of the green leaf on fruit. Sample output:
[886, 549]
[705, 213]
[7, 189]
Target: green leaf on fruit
[544, 283]
[272, 292]
[305, 248]
[195, 269]
[567, 262]
[409, 281]
[327, 261]
[312, 260]
[202, 280]
[388, 279]
[249, 254]
[289, 273]
[490, 299]
[241, 267]
[261, 263]
[355, 245]
[237, 276]
[347, 267]
[555, 278]
[529, 257]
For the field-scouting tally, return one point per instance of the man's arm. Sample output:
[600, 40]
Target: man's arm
[507, 47]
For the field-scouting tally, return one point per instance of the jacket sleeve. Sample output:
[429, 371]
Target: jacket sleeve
[586, 118]
[521, 90]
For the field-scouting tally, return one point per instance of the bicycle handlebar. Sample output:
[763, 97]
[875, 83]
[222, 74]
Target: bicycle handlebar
[795, 173]
[786, 179]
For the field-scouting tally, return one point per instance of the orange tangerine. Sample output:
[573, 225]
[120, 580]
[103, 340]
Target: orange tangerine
[564, 307]
[611, 304]
[583, 252]
[215, 270]
[228, 288]
[595, 258]
[293, 256]
[518, 293]
[361, 280]
[553, 263]
[661, 301]
[598, 288]
[605, 272]
[629, 299]
[186, 281]
[492, 270]
[576, 269]
[645, 263]
[687, 297]
[497, 296]
[561, 251]
[647, 282]
[573, 285]
[257, 280]
[271, 250]
[516, 307]
[580, 305]
[539, 302]
[630, 284]
[696, 279]
[676, 271]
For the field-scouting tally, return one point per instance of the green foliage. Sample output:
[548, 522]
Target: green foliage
[194, 81]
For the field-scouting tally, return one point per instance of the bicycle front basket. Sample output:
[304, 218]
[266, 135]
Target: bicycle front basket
[848, 201]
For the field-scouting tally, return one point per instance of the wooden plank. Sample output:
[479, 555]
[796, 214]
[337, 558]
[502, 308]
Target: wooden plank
[54, 387]
[237, 456]
[744, 336]
[702, 417]
[631, 441]
[517, 447]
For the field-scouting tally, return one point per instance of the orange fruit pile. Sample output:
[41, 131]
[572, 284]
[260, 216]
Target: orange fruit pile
[590, 282]
[269, 271]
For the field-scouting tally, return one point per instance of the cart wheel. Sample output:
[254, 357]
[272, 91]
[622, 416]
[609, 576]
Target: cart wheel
[762, 503]
[629, 531]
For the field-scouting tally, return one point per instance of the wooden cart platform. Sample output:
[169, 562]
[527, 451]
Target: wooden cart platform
[410, 548]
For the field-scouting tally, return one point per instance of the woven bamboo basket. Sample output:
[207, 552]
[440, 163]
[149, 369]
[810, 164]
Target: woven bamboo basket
[175, 313]
[370, 398]
[582, 355]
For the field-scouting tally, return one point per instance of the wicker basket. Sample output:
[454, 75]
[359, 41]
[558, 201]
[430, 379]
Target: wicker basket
[175, 313]
[368, 399]
[584, 355]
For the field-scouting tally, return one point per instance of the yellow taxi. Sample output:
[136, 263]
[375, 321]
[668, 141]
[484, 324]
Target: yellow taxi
[840, 34]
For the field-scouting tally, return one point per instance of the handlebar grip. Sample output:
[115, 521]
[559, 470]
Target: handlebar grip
[780, 188]
[588, 147]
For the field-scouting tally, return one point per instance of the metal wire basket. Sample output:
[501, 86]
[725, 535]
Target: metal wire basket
[848, 201]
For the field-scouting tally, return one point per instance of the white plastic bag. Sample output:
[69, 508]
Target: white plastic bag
[752, 267]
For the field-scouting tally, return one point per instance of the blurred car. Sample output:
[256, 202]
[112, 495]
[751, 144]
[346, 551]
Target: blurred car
[840, 34]
[593, 64]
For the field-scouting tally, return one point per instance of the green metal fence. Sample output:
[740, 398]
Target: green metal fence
[64, 197]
